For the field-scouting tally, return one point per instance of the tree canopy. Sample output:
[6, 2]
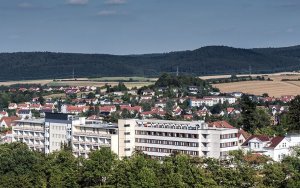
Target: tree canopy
[21, 167]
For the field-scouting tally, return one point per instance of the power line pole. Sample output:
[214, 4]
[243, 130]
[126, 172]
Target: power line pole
[177, 71]
[73, 74]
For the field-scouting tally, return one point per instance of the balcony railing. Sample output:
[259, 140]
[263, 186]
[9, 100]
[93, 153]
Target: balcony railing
[29, 137]
[90, 134]
[90, 143]
[28, 128]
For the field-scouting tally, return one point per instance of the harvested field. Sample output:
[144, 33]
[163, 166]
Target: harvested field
[97, 84]
[273, 88]
[42, 82]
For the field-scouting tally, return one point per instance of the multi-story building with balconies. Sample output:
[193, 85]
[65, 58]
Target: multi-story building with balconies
[160, 138]
[48, 135]
[31, 132]
[157, 138]
[93, 135]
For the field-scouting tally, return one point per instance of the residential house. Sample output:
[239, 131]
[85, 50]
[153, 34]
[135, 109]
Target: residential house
[286, 98]
[154, 111]
[35, 106]
[24, 113]
[132, 92]
[243, 136]
[131, 109]
[146, 97]
[276, 147]
[12, 106]
[6, 122]
[148, 92]
[107, 110]
[187, 117]
[24, 106]
[3, 114]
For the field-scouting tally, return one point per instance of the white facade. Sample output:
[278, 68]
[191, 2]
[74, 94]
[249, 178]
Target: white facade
[160, 138]
[30, 132]
[92, 135]
[211, 101]
[274, 147]
[48, 135]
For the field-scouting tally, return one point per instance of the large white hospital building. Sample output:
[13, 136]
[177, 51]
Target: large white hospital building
[157, 138]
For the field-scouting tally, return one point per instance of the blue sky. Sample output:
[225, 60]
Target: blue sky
[146, 26]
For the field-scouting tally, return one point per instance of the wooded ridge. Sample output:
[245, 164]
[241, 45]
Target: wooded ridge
[210, 60]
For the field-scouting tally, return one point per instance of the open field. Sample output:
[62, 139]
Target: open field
[98, 82]
[134, 78]
[275, 88]
[42, 82]
[273, 75]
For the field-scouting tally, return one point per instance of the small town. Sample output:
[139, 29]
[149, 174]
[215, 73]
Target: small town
[178, 114]
[150, 94]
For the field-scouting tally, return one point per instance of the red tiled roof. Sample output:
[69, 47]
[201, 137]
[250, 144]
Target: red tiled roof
[263, 138]
[3, 113]
[12, 104]
[221, 124]
[107, 108]
[35, 105]
[131, 108]
[229, 110]
[244, 133]
[187, 116]
[75, 109]
[9, 120]
[275, 141]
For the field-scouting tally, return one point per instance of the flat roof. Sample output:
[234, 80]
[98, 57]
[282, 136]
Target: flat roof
[41, 121]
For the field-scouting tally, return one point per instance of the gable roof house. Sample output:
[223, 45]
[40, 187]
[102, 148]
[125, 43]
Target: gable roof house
[243, 136]
[24, 114]
[12, 106]
[276, 147]
[131, 109]
[3, 114]
[6, 122]
[107, 110]
[148, 92]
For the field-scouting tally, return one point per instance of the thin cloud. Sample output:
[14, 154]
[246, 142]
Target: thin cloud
[14, 36]
[25, 5]
[77, 2]
[115, 2]
[290, 30]
[106, 12]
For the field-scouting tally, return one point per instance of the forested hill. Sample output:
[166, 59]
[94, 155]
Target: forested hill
[203, 61]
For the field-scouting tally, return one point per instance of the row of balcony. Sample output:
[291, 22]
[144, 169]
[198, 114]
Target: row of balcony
[29, 137]
[91, 134]
[31, 128]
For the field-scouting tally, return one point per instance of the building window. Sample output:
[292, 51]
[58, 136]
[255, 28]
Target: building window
[126, 133]
[127, 125]
[127, 149]
[126, 141]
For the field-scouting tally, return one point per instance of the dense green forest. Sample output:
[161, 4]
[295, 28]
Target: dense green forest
[202, 61]
[21, 167]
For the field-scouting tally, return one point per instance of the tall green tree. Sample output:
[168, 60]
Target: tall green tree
[97, 169]
[62, 170]
[294, 114]
[20, 167]
[248, 113]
